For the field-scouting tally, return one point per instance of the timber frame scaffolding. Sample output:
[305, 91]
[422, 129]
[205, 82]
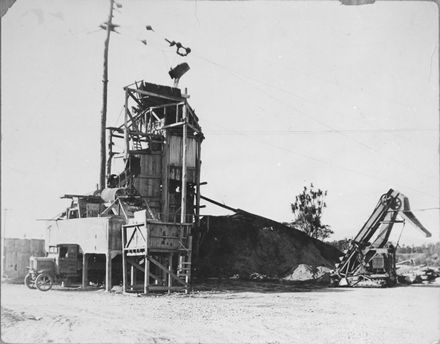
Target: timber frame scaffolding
[162, 142]
[161, 252]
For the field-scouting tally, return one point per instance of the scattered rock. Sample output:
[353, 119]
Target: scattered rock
[322, 271]
[343, 282]
[417, 274]
[255, 276]
[303, 272]
[117, 289]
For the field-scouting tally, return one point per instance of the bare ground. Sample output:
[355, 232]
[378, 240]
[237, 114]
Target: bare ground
[232, 313]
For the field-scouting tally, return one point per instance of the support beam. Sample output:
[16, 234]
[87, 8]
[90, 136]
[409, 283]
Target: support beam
[172, 274]
[165, 179]
[134, 98]
[183, 189]
[132, 276]
[164, 288]
[198, 169]
[124, 260]
[189, 267]
[135, 118]
[108, 271]
[170, 268]
[142, 269]
[155, 116]
[164, 106]
[132, 122]
[126, 129]
[152, 94]
[135, 228]
[85, 266]
[219, 204]
[164, 273]
[177, 124]
[147, 262]
[180, 263]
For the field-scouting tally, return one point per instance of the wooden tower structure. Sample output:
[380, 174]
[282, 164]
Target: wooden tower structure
[162, 141]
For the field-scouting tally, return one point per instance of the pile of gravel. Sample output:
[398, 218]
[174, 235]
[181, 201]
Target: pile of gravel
[244, 246]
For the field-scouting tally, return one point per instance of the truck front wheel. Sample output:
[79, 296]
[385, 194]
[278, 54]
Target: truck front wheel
[29, 281]
[44, 282]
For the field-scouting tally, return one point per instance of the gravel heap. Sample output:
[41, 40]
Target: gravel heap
[246, 246]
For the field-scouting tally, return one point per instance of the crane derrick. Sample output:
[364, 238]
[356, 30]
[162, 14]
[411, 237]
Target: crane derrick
[370, 259]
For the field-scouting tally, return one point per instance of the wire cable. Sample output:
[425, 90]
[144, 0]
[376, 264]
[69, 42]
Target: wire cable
[299, 111]
[322, 161]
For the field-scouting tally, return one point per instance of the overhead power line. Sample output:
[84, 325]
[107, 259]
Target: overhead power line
[290, 106]
[322, 161]
[332, 130]
[348, 131]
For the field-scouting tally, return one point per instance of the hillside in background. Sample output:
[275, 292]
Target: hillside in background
[426, 254]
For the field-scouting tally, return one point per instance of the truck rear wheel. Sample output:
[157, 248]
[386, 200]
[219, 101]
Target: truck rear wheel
[44, 282]
[29, 281]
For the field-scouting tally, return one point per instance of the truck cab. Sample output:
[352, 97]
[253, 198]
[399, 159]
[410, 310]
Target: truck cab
[68, 260]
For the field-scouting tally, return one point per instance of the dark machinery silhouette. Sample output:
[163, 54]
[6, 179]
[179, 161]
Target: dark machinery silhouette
[371, 262]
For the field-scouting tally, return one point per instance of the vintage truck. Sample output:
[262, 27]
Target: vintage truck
[63, 263]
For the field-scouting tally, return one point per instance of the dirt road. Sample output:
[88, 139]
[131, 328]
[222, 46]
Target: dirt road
[246, 314]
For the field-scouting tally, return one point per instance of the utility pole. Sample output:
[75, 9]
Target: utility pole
[109, 27]
[5, 210]
[3, 240]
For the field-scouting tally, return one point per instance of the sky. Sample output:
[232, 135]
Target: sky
[288, 93]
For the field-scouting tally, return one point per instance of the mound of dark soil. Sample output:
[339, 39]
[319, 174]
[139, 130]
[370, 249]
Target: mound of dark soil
[244, 244]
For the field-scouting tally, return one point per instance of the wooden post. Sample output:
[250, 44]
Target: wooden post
[126, 137]
[189, 267]
[180, 266]
[197, 219]
[147, 262]
[198, 168]
[124, 262]
[170, 268]
[108, 271]
[165, 178]
[162, 260]
[110, 152]
[104, 99]
[85, 267]
[133, 276]
[183, 200]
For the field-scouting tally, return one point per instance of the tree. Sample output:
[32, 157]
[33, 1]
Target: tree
[307, 209]
[341, 245]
